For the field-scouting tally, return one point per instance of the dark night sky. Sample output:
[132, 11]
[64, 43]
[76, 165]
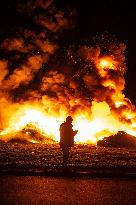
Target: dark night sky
[116, 17]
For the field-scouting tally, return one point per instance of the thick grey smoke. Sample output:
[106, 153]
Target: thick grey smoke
[30, 49]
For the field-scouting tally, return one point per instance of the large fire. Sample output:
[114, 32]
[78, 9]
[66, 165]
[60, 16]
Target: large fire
[43, 81]
[91, 127]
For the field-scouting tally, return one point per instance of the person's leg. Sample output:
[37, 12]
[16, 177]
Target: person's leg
[65, 156]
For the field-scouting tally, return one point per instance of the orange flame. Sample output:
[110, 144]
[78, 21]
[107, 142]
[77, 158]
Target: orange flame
[89, 130]
[91, 127]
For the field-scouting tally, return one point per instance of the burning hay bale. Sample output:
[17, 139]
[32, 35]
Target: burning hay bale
[121, 139]
[32, 134]
[29, 134]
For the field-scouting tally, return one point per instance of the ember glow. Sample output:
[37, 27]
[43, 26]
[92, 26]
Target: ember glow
[106, 63]
[41, 82]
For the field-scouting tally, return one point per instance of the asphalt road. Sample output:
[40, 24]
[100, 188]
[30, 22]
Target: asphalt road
[39, 190]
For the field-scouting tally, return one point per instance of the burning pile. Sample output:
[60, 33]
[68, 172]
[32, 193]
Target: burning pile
[42, 82]
[121, 139]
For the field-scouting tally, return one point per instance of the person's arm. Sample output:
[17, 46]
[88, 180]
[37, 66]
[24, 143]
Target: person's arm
[75, 132]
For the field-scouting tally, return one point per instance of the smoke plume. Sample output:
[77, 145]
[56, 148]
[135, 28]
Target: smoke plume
[36, 70]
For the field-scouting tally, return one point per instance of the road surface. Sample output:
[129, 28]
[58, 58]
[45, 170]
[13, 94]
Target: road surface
[40, 190]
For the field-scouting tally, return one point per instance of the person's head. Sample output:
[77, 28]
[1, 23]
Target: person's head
[69, 119]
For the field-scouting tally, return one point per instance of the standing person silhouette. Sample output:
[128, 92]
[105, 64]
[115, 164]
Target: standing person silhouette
[67, 138]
